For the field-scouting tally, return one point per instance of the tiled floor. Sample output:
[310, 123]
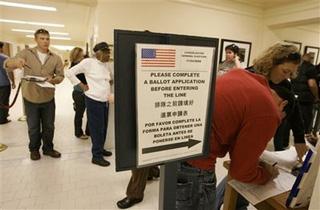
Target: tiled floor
[70, 182]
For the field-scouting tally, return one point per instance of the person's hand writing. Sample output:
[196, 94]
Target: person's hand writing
[272, 169]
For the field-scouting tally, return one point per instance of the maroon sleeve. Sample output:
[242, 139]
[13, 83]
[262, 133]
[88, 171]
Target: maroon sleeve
[250, 143]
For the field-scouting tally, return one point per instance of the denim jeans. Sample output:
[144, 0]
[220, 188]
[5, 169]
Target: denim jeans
[241, 204]
[97, 113]
[79, 108]
[195, 188]
[40, 120]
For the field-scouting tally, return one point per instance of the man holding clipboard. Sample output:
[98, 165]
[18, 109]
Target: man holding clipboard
[39, 101]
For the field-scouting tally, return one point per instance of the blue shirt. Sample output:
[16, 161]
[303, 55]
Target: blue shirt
[4, 80]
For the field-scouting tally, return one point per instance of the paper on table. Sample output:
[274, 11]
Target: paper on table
[45, 84]
[286, 159]
[257, 193]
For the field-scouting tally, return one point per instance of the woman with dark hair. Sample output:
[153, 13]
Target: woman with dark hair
[79, 106]
[231, 61]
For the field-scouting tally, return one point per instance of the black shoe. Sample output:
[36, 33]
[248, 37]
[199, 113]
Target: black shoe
[154, 173]
[106, 153]
[53, 153]
[35, 155]
[128, 202]
[5, 122]
[100, 162]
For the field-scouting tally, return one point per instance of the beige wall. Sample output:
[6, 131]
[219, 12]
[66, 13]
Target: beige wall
[171, 17]
[223, 21]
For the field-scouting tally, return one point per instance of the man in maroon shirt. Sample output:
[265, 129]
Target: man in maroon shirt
[246, 116]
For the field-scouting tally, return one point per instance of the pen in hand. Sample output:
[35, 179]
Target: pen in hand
[273, 165]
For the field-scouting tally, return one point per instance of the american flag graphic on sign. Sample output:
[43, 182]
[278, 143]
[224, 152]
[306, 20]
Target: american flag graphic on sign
[158, 57]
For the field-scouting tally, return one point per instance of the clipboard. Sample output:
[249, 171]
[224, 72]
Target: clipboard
[30, 78]
[302, 189]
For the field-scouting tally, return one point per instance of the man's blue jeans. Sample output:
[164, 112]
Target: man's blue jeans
[195, 188]
[40, 120]
[97, 113]
[241, 204]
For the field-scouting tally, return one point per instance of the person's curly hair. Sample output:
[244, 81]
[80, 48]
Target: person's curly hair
[276, 55]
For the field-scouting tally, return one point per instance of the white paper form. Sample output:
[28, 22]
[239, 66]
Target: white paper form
[45, 84]
[257, 193]
[34, 78]
[286, 159]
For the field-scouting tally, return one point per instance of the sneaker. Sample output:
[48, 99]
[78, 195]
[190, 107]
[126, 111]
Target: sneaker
[35, 155]
[101, 162]
[53, 153]
[106, 153]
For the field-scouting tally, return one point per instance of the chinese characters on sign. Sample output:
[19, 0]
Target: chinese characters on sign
[173, 87]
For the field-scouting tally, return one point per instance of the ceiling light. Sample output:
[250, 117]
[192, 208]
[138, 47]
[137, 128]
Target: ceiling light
[28, 6]
[52, 37]
[31, 23]
[32, 31]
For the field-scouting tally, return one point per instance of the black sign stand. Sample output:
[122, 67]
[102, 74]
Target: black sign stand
[167, 190]
[125, 105]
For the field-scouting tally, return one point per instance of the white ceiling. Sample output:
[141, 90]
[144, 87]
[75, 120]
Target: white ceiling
[263, 4]
[74, 14]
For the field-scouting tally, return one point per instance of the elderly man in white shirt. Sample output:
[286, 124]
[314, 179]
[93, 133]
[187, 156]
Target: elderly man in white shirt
[97, 94]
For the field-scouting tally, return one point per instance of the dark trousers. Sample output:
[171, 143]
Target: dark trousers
[281, 138]
[196, 188]
[4, 100]
[306, 110]
[79, 108]
[40, 120]
[138, 181]
[97, 113]
[316, 117]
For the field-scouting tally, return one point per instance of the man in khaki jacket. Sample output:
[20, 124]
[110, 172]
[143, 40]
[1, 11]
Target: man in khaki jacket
[39, 101]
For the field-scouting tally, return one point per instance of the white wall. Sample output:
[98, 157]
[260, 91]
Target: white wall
[229, 21]
[177, 18]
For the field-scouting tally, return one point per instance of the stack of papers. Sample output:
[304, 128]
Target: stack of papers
[34, 78]
[286, 159]
[258, 193]
[40, 81]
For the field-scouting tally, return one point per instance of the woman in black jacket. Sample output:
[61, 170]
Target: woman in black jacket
[79, 106]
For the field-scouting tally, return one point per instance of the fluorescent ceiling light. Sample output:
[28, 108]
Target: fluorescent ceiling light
[32, 31]
[31, 23]
[52, 37]
[63, 47]
[28, 6]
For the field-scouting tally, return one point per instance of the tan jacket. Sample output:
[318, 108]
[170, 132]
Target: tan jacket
[53, 67]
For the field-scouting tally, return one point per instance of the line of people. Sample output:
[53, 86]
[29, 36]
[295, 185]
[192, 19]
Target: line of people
[249, 107]
[92, 90]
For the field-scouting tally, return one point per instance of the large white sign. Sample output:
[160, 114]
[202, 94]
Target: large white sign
[173, 85]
